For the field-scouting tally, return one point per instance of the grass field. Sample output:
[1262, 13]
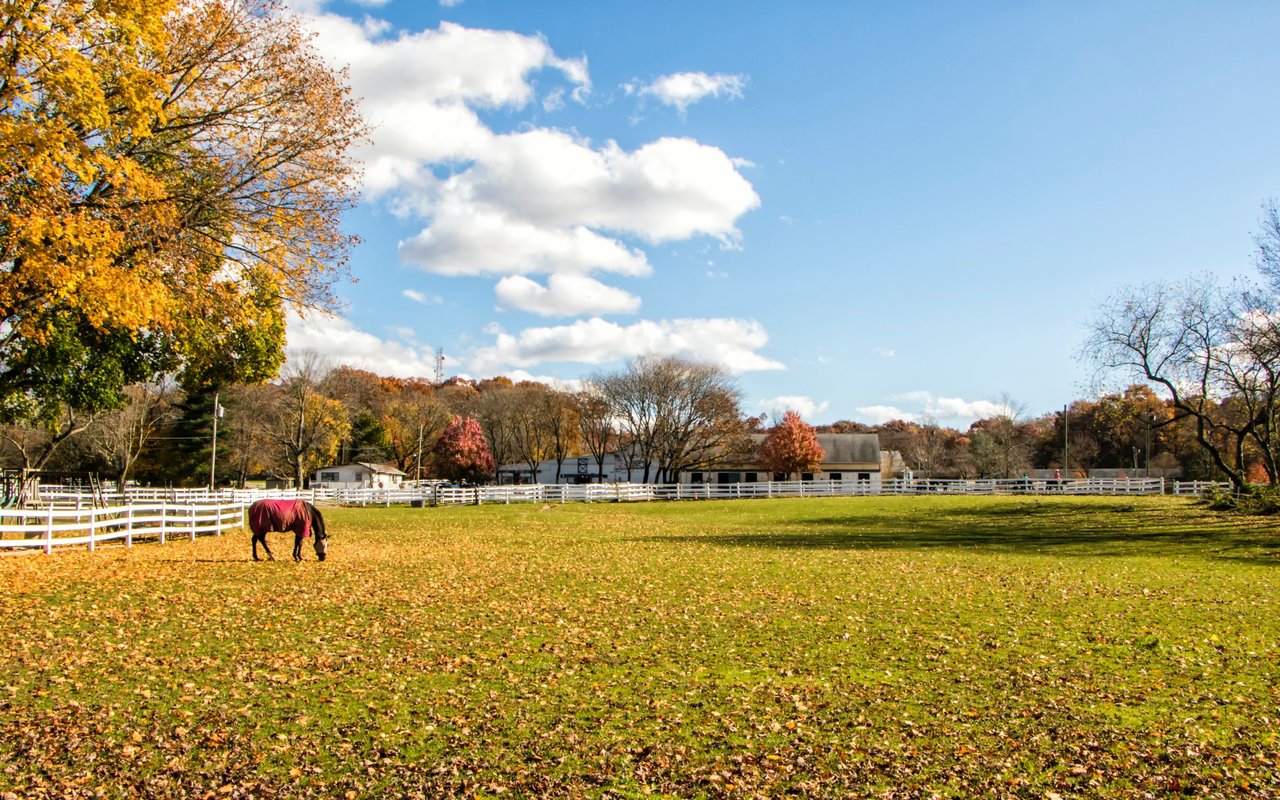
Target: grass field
[895, 647]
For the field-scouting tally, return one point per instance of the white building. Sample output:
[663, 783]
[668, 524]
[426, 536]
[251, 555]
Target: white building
[360, 475]
[849, 457]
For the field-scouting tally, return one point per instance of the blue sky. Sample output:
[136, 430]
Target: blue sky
[864, 210]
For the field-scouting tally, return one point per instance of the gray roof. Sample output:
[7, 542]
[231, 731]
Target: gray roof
[845, 448]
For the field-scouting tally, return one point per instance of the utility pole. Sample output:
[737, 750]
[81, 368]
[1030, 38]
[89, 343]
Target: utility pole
[418, 460]
[213, 456]
[1151, 420]
[1066, 471]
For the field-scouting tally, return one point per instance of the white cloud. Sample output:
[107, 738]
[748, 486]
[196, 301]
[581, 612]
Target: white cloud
[564, 295]
[730, 343]
[532, 200]
[421, 297]
[958, 408]
[538, 201]
[802, 405]
[371, 3]
[878, 415]
[683, 89]
[886, 352]
[950, 410]
[486, 242]
[342, 343]
[451, 3]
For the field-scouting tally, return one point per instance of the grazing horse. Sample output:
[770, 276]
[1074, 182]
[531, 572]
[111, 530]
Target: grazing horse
[298, 516]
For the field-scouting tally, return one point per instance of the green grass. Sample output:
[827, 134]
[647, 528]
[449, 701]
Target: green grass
[853, 646]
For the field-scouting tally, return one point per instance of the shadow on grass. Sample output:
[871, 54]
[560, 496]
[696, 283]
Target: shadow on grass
[1075, 529]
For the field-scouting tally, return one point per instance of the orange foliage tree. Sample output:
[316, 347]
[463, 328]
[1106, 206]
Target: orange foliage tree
[172, 174]
[791, 446]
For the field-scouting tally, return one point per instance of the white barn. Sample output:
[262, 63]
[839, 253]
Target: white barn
[360, 475]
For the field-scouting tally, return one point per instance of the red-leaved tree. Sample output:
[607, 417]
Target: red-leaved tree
[791, 446]
[462, 452]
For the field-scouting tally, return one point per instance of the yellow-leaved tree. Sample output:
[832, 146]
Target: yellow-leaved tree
[172, 175]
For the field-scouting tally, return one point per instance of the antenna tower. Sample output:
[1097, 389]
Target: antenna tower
[439, 365]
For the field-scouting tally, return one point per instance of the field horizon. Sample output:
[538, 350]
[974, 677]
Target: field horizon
[888, 647]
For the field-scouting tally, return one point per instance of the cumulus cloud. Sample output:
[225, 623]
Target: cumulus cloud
[564, 296]
[683, 89]
[806, 407]
[533, 200]
[343, 343]
[922, 405]
[485, 242]
[878, 415]
[729, 343]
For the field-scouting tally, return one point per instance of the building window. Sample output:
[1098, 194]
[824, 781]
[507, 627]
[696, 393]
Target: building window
[750, 477]
[695, 477]
[730, 477]
[806, 476]
[779, 476]
[864, 476]
[835, 476]
[330, 477]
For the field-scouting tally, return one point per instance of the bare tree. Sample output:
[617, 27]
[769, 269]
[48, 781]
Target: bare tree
[119, 437]
[247, 444]
[1000, 444]
[1216, 355]
[678, 414]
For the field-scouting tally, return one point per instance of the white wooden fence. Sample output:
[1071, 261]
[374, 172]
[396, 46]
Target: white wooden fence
[55, 526]
[434, 493]
[70, 518]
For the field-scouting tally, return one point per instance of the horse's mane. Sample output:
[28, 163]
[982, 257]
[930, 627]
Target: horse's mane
[317, 522]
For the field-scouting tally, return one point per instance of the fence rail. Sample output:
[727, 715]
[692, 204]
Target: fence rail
[58, 526]
[441, 494]
[69, 516]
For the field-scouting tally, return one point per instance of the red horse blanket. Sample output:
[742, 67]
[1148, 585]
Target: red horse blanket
[280, 515]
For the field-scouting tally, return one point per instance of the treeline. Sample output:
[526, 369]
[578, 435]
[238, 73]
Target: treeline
[661, 416]
[665, 415]
[1130, 431]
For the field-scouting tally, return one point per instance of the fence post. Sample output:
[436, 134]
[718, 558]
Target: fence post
[93, 526]
[48, 531]
[164, 517]
[193, 522]
[128, 524]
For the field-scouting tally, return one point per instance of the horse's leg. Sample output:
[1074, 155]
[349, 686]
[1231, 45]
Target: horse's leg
[261, 537]
[297, 547]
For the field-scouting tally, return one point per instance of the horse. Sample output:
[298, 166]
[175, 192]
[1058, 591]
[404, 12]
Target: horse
[298, 516]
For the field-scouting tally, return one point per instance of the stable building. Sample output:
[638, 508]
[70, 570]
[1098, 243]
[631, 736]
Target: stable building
[360, 475]
[846, 457]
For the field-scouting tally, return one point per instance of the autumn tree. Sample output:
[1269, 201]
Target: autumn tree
[791, 446]
[172, 174]
[412, 421]
[497, 408]
[307, 426]
[595, 426]
[462, 452]
[529, 416]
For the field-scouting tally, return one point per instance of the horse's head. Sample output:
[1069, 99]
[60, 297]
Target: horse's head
[320, 538]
